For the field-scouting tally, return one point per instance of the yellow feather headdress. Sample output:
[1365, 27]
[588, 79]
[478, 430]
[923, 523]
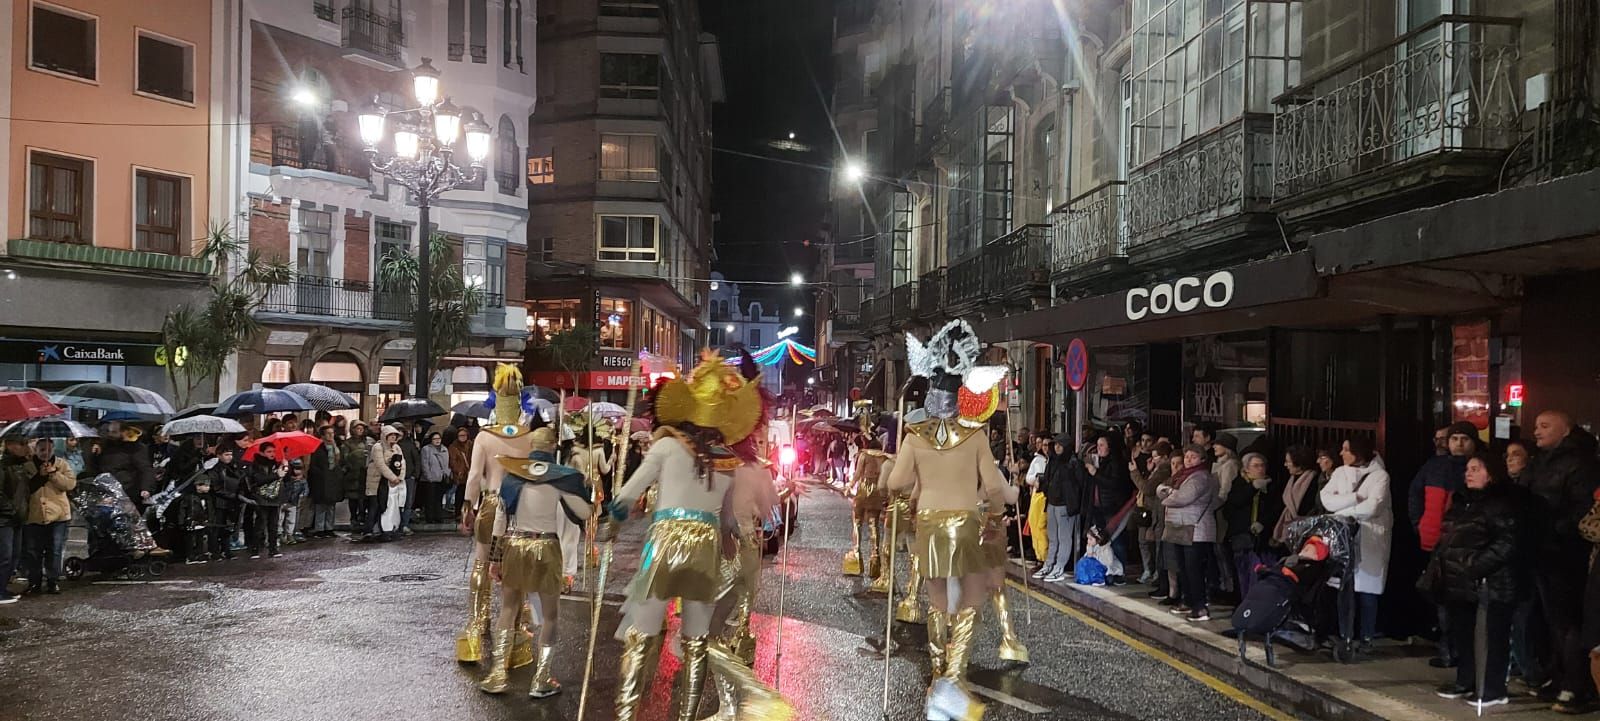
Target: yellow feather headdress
[715, 396]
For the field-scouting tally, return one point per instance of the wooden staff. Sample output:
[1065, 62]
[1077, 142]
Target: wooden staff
[894, 544]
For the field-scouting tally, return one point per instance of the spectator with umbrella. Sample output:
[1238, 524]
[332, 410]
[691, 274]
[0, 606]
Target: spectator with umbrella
[14, 476]
[353, 471]
[266, 490]
[126, 459]
[44, 536]
[326, 477]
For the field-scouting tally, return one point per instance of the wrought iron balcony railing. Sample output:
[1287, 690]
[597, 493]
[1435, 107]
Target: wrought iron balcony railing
[964, 284]
[290, 150]
[1090, 228]
[1223, 173]
[338, 298]
[373, 33]
[1019, 262]
[930, 292]
[1448, 86]
[903, 300]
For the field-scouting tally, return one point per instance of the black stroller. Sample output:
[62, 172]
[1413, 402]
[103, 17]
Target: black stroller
[119, 542]
[1282, 604]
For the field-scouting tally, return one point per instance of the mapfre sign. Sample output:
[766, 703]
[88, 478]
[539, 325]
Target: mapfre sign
[1180, 296]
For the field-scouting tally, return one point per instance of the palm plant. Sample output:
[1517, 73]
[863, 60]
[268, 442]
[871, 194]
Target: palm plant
[452, 302]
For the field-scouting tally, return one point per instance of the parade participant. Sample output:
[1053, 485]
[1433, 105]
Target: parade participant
[503, 435]
[993, 543]
[866, 503]
[525, 555]
[950, 477]
[696, 418]
[591, 461]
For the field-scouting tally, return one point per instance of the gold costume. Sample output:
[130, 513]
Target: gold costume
[505, 424]
[682, 557]
[532, 563]
[947, 543]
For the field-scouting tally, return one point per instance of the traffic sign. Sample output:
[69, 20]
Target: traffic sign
[1077, 364]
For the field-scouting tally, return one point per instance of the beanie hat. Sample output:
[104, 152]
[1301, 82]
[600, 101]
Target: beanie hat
[1227, 441]
[1463, 428]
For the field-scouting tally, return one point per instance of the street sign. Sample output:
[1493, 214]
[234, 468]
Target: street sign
[1077, 364]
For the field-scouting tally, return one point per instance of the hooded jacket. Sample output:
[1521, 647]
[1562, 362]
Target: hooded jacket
[1563, 480]
[267, 488]
[1430, 493]
[129, 462]
[228, 484]
[1482, 543]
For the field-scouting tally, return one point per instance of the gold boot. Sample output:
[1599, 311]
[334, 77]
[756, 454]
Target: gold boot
[495, 682]
[852, 563]
[631, 684]
[544, 684]
[694, 677]
[958, 650]
[875, 561]
[727, 700]
[652, 654]
[742, 695]
[469, 645]
[522, 641]
[938, 640]
[910, 608]
[1011, 648]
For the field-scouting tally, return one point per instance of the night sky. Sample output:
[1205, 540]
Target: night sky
[771, 193]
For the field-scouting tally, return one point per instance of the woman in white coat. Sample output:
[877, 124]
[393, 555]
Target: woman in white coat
[1360, 490]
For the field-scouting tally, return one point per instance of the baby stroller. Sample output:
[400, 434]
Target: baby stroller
[1282, 603]
[119, 543]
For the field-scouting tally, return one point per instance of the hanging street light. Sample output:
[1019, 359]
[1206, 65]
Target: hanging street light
[422, 147]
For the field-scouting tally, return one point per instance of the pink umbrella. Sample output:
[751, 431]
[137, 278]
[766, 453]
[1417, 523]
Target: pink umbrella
[574, 403]
[26, 404]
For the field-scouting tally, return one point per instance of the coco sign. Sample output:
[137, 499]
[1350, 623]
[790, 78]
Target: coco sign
[1180, 296]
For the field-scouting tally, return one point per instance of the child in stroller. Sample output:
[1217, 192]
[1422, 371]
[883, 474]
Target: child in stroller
[120, 543]
[1283, 603]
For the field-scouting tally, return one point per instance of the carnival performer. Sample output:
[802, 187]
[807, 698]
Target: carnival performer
[950, 477]
[696, 418]
[525, 555]
[591, 461]
[996, 561]
[504, 435]
[899, 519]
[866, 509]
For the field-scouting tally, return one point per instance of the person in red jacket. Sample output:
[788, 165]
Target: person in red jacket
[1430, 495]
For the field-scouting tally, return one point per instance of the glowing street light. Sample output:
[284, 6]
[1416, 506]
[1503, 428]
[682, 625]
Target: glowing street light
[730, 328]
[799, 312]
[854, 171]
[796, 280]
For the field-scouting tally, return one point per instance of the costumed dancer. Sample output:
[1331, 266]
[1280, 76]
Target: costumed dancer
[866, 510]
[503, 435]
[950, 477]
[904, 528]
[525, 555]
[690, 461]
[592, 463]
[995, 559]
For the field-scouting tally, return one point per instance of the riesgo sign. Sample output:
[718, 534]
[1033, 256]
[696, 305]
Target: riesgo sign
[1180, 296]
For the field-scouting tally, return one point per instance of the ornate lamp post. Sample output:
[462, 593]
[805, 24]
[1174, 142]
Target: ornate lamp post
[422, 146]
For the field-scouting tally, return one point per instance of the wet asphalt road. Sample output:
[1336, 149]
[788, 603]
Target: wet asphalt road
[329, 633]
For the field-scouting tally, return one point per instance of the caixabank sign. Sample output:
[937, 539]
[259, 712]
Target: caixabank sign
[47, 352]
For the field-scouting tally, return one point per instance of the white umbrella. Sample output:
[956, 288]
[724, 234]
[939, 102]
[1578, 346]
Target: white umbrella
[214, 425]
[321, 397]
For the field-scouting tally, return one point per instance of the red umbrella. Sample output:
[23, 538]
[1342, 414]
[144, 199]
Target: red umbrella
[574, 403]
[639, 424]
[290, 445]
[26, 404]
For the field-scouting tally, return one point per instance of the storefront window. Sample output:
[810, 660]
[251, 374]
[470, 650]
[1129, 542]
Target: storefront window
[615, 324]
[1225, 379]
[548, 316]
[1469, 361]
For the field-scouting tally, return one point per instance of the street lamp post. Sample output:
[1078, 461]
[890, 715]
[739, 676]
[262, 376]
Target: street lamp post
[423, 144]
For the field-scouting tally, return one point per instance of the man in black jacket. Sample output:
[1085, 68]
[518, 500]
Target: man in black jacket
[123, 456]
[411, 449]
[15, 472]
[1563, 481]
[228, 486]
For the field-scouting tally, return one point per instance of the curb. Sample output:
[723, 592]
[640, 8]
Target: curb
[1331, 699]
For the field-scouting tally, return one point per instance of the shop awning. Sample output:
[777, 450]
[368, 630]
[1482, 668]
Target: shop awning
[1277, 291]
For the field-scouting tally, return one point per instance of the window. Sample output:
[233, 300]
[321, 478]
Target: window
[455, 31]
[755, 338]
[628, 157]
[478, 30]
[483, 266]
[545, 250]
[628, 237]
[541, 162]
[508, 157]
[63, 42]
[166, 68]
[631, 8]
[511, 34]
[58, 201]
[630, 76]
[158, 209]
[615, 324]
[315, 249]
[392, 239]
[548, 316]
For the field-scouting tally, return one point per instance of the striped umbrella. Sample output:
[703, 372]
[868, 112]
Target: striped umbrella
[321, 397]
[261, 400]
[107, 397]
[47, 428]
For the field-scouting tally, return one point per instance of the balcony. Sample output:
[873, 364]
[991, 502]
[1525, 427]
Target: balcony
[1214, 177]
[965, 282]
[372, 37]
[875, 312]
[312, 152]
[1448, 89]
[509, 183]
[1090, 229]
[933, 123]
[339, 298]
[1019, 264]
[930, 293]
[847, 326]
[903, 301]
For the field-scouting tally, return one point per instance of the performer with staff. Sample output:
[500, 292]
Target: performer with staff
[866, 510]
[950, 478]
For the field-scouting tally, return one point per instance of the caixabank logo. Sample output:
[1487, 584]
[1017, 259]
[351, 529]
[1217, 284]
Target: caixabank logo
[79, 354]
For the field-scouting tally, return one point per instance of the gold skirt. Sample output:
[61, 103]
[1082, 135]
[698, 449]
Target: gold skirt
[868, 506]
[483, 527]
[682, 558]
[531, 565]
[741, 573]
[900, 516]
[947, 543]
[993, 542]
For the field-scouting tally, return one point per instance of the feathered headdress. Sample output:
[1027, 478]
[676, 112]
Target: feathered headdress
[715, 395]
[957, 385]
[505, 419]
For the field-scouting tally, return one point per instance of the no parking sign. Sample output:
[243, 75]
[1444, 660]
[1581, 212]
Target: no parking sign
[1076, 361]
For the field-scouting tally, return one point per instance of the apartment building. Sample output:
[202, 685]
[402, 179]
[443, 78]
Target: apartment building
[106, 116]
[309, 67]
[620, 178]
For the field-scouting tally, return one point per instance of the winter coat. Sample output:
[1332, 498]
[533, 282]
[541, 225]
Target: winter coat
[1064, 483]
[265, 486]
[408, 446]
[1484, 541]
[460, 462]
[353, 467]
[1438, 478]
[1563, 481]
[1192, 503]
[1226, 470]
[14, 476]
[184, 462]
[47, 493]
[435, 464]
[1148, 481]
[384, 465]
[1299, 500]
[325, 475]
[229, 484]
[1248, 507]
[1362, 493]
[198, 510]
[1111, 489]
[129, 462]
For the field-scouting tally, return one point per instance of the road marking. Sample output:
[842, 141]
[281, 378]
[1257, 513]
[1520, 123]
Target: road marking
[1184, 667]
[1032, 709]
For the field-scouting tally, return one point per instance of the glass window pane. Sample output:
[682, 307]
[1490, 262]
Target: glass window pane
[1278, 32]
[1259, 42]
[1211, 54]
[1193, 14]
[1296, 31]
[1234, 25]
[1233, 92]
[1191, 113]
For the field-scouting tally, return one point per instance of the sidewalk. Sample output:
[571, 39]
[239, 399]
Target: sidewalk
[1394, 682]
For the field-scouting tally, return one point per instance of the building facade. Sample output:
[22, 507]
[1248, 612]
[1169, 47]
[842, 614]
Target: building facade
[620, 177]
[113, 168]
[746, 322]
[312, 199]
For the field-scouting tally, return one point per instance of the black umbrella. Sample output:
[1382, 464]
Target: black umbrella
[411, 409]
[261, 400]
[47, 428]
[198, 409]
[473, 409]
[549, 394]
[107, 397]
